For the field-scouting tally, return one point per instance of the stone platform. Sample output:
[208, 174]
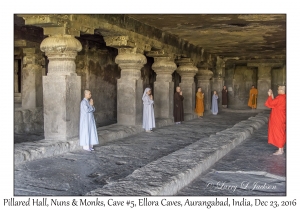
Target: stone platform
[158, 163]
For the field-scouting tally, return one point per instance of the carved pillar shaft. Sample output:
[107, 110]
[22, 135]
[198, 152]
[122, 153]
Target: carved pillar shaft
[16, 80]
[31, 79]
[263, 84]
[130, 87]
[204, 77]
[163, 86]
[187, 71]
[61, 88]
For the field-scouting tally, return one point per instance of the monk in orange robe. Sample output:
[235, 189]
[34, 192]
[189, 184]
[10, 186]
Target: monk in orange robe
[277, 120]
[252, 102]
[199, 103]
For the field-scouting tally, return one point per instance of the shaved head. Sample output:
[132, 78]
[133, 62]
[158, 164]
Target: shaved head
[281, 89]
[87, 94]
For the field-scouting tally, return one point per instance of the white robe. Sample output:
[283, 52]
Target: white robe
[148, 112]
[87, 131]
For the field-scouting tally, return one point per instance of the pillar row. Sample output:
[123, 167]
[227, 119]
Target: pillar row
[130, 87]
[61, 88]
[163, 86]
[204, 76]
[187, 71]
[31, 79]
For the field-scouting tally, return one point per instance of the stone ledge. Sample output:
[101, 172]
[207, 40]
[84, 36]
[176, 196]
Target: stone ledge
[28, 151]
[169, 174]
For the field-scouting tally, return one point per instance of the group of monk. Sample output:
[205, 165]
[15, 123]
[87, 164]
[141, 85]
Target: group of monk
[277, 121]
[199, 109]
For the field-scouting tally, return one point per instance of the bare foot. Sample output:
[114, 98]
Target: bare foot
[278, 152]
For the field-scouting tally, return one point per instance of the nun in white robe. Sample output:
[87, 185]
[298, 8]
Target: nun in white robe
[148, 112]
[87, 132]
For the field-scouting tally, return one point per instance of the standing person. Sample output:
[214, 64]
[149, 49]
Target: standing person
[224, 97]
[277, 120]
[199, 103]
[252, 102]
[148, 111]
[214, 103]
[87, 131]
[178, 106]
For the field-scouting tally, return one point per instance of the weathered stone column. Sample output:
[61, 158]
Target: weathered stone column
[130, 85]
[187, 71]
[284, 75]
[31, 78]
[61, 88]
[218, 79]
[204, 76]
[163, 86]
[16, 80]
[263, 82]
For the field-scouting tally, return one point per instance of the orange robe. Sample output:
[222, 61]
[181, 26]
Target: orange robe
[199, 104]
[252, 102]
[277, 120]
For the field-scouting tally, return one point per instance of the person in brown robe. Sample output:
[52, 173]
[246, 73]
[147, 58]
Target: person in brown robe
[178, 106]
[224, 97]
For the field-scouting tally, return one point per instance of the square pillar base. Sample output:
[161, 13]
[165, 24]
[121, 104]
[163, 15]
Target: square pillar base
[163, 99]
[61, 106]
[129, 102]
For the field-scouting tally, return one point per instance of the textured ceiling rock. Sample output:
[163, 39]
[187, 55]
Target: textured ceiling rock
[250, 36]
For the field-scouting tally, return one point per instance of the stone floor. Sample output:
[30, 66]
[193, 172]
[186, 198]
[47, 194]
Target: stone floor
[253, 155]
[79, 172]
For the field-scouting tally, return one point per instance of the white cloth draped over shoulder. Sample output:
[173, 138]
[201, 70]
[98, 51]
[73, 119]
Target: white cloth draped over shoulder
[148, 111]
[87, 131]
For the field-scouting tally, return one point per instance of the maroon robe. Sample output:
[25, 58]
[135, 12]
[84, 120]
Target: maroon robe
[224, 97]
[178, 107]
[277, 120]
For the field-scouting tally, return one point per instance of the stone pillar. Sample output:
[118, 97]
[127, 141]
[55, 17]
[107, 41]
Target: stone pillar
[31, 78]
[187, 71]
[130, 87]
[284, 75]
[61, 88]
[163, 86]
[204, 76]
[16, 80]
[263, 82]
[218, 79]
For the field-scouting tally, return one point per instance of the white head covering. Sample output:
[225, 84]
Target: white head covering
[145, 93]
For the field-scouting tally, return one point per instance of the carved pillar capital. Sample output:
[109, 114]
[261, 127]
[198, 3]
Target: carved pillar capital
[204, 74]
[61, 51]
[186, 68]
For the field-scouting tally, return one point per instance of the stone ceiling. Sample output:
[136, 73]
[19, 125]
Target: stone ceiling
[248, 36]
[242, 36]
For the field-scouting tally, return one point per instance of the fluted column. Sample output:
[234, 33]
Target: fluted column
[163, 86]
[31, 78]
[61, 88]
[204, 76]
[263, 81]
[187, 71]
